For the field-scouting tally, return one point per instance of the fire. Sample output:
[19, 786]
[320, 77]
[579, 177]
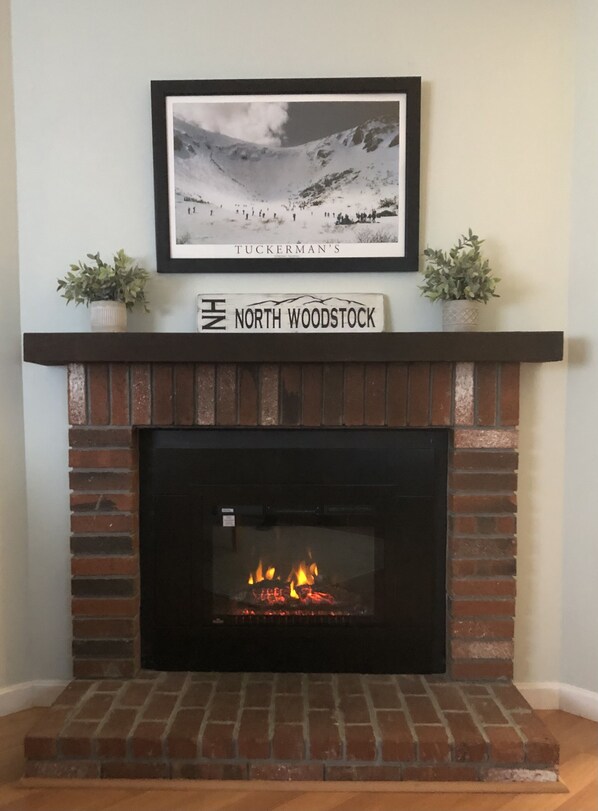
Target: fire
[302, 574]
[260, 574]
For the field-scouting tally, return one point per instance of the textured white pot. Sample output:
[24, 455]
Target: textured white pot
[108, 316]
[460, 316]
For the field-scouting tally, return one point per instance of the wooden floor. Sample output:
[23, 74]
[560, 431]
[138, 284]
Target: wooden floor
[579, 770]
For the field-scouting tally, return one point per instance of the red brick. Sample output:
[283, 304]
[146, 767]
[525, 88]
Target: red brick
[488, 710]
[171, 682]
[95, 566]
[354, 394]
[479, 649]
[418, 403]
[469, 744]
[209, 771]
[485, 393]
[482, 629]
[184, 393]
[104, 607]
[225, 707]
[141, 396]
[146, 740]
[205, 394]
[105, 628]
[433, 743]
[349, 684]
[321, 696]
[482, 608]
[411, 685]
[40, 742]
[332, 396]
[254, 734]
[436, 774]
[360, 742]
[441, 394]
[289, 683]
[483, 587]
[483, 669]
[105, 668]
[135, 693]
[355, 709]
[396, 394]
[105, 522]
[509, 394]
[288, 708]
[103, 502]
[111, 738]
[100, 437]
[248, 394]
[448, 697]
[76, 739]
[478, 547]
[510, 697]
[396, 738]
[268, 394]
[100, 481]
[94, 708]
[258, 694]
[99, 407]
[226, 394]
[486, 482]
[324, 738]
[505, 744]
[288, 742]
[228, 682]
[119, 394]
[373, 772]
[197, 695]
[162, 394]
[73, 693]
[375, 393]
[422, 710]
[484, 460]
[384, 696]
[483, 568]
[311, 394]
[286, 771]
[485, 438]
[160, 706]
[482, 503]
[290, 394]
[217, 741]
[183, 738]
[540, 746]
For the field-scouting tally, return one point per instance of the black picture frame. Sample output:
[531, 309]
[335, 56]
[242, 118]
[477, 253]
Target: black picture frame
[205, 250]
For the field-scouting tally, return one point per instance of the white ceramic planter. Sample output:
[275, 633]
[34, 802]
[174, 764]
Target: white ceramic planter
[108, 316]
[460, 316]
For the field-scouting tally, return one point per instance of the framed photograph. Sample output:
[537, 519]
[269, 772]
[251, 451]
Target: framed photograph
[283, 175]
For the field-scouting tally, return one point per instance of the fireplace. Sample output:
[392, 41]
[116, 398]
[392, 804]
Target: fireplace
[291, 550]
[282, 559]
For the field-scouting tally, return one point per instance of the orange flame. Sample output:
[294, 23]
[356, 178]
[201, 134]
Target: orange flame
[301, 574]
[260, 574]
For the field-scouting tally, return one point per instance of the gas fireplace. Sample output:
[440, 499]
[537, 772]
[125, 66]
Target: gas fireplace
[286, 550]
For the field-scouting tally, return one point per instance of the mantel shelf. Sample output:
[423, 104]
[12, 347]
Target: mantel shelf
[62, 348]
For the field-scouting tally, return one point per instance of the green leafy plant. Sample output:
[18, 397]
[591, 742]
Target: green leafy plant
[124, 281]
[462, 273]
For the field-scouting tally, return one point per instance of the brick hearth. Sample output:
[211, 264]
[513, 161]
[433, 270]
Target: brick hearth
[257, 726]
[469, 724]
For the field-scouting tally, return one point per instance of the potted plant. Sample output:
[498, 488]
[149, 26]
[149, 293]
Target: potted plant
[461, 279]
[109, 290]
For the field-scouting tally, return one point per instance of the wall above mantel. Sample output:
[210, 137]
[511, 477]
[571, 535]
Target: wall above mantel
[61, 348]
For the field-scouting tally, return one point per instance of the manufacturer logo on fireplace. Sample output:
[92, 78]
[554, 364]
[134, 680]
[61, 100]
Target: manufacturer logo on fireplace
[291, 312]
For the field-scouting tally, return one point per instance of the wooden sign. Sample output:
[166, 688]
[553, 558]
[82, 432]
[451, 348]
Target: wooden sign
[290, 312]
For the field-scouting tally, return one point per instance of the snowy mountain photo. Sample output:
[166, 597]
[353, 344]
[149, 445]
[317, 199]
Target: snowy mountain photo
[301, 176]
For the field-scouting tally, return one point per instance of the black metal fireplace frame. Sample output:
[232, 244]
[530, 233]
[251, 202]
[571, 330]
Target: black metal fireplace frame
[185, 472]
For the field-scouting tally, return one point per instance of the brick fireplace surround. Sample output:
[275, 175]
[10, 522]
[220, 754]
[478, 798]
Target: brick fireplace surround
[115, 720]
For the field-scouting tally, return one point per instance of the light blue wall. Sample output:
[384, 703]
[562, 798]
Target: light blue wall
[495, 144]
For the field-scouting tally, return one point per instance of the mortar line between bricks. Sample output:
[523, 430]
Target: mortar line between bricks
[304, 694]
[512, 723]
[441, 715]
[237, 724]
[140, 710]
[71, 717]
[340, 718]
[408, 718]
[173, 714]
[104, 721]
[477, 721]
[204, 722]
[374, 720]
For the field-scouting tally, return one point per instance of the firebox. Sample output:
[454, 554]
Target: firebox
[293, 550]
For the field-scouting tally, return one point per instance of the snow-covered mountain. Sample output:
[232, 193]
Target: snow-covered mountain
[357, 167]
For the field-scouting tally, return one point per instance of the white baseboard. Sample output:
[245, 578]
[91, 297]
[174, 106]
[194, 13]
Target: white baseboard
[29, 694]
[554, 695]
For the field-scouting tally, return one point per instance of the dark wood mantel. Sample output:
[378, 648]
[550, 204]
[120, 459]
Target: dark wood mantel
[61, 348]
